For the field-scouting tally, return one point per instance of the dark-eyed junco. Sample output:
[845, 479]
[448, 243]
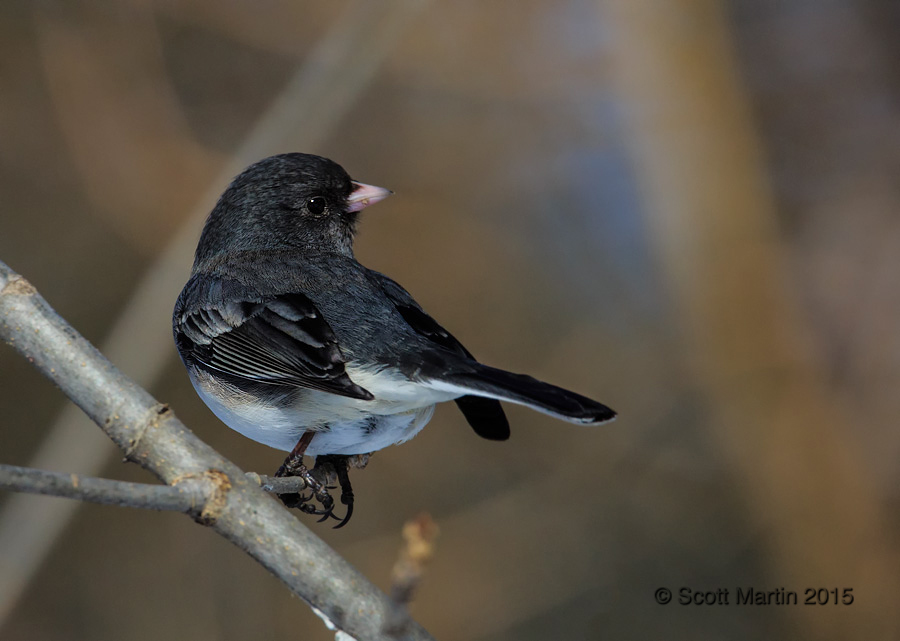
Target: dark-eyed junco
[293, 343]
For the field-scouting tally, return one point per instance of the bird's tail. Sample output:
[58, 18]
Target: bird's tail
[495, 383]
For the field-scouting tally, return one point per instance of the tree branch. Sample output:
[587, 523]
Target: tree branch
[188, 496]
[329, 79]
[150, 435]
[185, 497]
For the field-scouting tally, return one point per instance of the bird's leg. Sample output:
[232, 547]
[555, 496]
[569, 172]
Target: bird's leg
[340, 466]
[293, 466]
[293, 463]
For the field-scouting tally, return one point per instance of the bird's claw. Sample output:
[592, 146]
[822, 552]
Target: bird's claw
[349, 513]
[346, 499]
[346, 492]
[327, 467]
[317, 492]
[329, 514]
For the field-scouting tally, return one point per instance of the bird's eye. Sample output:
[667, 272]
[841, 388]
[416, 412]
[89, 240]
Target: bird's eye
[316, 205]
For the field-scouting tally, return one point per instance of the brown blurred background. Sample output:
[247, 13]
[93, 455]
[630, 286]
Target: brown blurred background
[685, 208]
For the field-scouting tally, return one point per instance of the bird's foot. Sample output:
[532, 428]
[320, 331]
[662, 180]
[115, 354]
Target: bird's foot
[327, 470]
[337, 465]
[318, 490]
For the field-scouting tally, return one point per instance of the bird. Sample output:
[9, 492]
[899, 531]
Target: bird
[293, 343]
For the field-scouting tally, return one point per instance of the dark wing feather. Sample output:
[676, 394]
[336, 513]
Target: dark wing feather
[281, 340]
[485, 415]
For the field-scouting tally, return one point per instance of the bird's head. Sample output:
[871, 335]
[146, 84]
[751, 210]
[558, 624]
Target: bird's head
[289, 201]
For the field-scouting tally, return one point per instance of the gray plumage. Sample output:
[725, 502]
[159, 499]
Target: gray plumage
[283, 331]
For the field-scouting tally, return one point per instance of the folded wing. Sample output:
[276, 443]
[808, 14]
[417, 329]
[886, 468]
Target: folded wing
[485, 415]
[278, 340]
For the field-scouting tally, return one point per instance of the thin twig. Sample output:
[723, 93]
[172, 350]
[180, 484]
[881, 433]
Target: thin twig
[278, 484]
[150, 434]
[419, 536]
[185, 497]
[188, 496]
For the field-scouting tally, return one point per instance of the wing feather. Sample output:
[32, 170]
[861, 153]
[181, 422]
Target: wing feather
[485, 415]
[276, 340]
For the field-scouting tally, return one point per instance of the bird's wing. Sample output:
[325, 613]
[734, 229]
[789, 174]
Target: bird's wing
[485, 415]
[276, 340]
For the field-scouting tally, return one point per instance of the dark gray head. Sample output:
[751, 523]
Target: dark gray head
[298, 201]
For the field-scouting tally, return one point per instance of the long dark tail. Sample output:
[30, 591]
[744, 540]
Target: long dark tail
[518, 388]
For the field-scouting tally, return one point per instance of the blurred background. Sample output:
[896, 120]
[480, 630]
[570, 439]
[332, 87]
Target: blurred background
[687, 209]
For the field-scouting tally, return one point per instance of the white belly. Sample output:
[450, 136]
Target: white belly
[343, 425]
[371, 434]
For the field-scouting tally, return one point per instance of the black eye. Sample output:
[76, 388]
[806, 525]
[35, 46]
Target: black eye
[316, 205]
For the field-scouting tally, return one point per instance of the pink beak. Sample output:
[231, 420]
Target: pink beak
[364, 195]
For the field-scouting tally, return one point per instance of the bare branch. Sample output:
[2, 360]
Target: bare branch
[324, 88]
[278, 484]
[150, 434]
[419, 536]
[188, 496]
[185, 497]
